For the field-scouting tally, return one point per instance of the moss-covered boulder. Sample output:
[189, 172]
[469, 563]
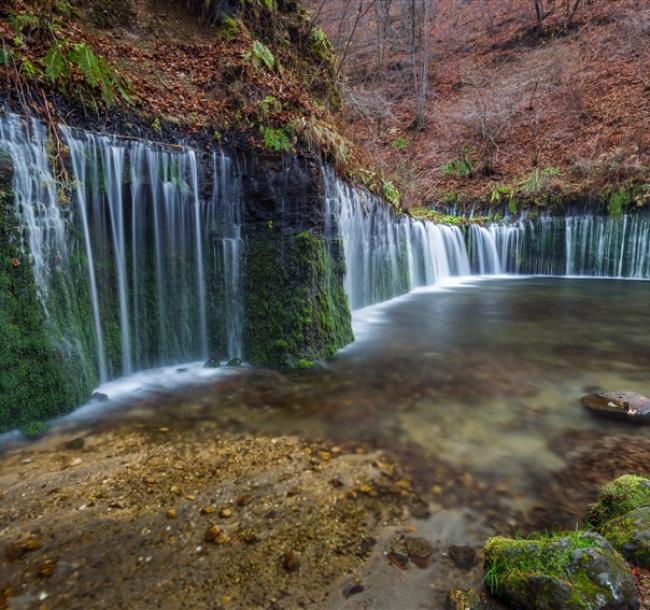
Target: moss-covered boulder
[572, 571]
[630, 534]
[618, 498]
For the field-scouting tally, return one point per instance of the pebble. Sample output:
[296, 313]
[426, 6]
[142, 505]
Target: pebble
[171, 513]
[208, 510]
[212, 533]
[226, 512]
[353, 590]
[291, 561]
[463, 556]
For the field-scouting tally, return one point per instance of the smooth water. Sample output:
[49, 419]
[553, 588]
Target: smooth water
[475, 386]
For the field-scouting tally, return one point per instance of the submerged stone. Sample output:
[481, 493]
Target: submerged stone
[569, 571]
[469, 599]
[618, 498]
[630, 534]
[623, 406]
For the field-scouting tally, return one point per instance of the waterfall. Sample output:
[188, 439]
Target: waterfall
[139, 268]
[387, 255]
[583, 245]
[138, 258]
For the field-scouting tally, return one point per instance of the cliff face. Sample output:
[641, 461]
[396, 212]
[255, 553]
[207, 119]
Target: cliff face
[126, 250]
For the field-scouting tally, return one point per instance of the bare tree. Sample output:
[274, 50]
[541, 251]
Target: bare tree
[539, 14]
[420, 13]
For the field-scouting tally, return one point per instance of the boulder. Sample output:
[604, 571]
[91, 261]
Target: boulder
[630, 534]
[618, 498]
[567, 571]
[623, 406]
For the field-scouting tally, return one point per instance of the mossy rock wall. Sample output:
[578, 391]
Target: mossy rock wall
[34, 384]
[296, 310]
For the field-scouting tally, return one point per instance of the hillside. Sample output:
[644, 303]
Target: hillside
[512, 109]
[258, 71]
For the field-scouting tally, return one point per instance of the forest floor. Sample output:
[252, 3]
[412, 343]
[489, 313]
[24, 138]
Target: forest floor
[562, 114]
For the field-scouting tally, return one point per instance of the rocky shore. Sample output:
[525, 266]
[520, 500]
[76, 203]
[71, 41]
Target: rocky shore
[190, 519]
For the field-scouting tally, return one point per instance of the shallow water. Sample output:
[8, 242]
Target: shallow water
[476, 387]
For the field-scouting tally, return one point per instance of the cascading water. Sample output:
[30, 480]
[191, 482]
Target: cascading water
[387, 255]
[583, 245]
[125, 270]
[143, 268]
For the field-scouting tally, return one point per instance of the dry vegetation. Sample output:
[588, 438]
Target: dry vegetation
[461, 99]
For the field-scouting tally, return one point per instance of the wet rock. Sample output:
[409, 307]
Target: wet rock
[211, 363]
[353, 590]
[366, 546]
[419, 551]
[459, 599]
[618, 498]
[46, 568]
[18, 548]
[623, 406]
[630, 534]
[171, 513]
[463, 556]
[234, 362]
[99, 397]
[181, 370]
[212, 534]
[75, 444]
[565, 571]
[405, 549]
[290, 561]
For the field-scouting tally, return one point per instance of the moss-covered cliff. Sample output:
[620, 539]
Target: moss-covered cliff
[34, 382]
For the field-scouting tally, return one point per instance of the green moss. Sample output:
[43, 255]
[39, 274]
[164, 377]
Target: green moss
[541, 569]
[34, 429]
[296, 309]
[619, 497]
[35, 379]
[630, 534]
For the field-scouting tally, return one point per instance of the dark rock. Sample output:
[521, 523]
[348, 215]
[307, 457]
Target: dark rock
[234, 362]
[75, 444]
[211, 363]
[630, 534]
[353, 590]
[419, 551]
[623, 406]
[18, 548]
[463, 556]
[181, 370]
[291, 561]
[366, 546]
[404, 549]
[99, 397]
[566, 571]
[400, 560]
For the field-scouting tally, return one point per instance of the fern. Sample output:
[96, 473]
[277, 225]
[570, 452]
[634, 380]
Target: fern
[5, 56]
[391, 194]
[29, 70]
[276, 139]
[56, 64]
[261, 55]
[85, 59]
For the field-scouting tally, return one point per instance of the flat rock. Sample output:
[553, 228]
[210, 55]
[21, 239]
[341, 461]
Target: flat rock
[623, 406]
